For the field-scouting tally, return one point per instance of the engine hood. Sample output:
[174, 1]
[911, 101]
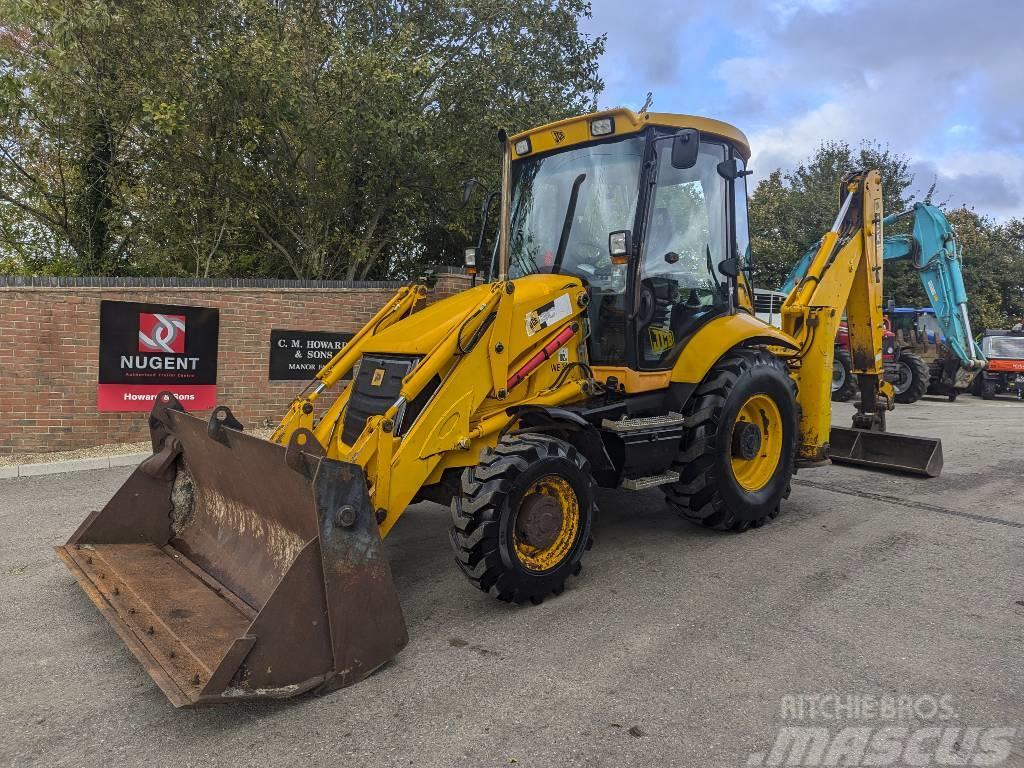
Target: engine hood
[422, 331]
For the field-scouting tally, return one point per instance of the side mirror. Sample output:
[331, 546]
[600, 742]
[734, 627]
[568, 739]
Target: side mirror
[620, 245]
[732, 169]
[685, 147]
[467, 189]
[729, 267]
[469, 259]
[890, 307]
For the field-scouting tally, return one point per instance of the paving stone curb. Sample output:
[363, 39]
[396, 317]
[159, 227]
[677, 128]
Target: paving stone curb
[71, 465]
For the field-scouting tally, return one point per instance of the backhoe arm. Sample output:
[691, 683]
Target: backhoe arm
[845, 271]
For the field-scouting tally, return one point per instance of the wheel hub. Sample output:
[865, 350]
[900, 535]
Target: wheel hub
[746, 440]
[903, 378]
[757, 436]
[539, 521]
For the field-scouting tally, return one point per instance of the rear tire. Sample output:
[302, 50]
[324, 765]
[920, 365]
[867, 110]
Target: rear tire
[716, 487]
[844, 384]
[989, 389]
[523, 518]
[918, 374]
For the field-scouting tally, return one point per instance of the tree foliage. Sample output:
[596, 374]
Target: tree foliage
[283, 138]
[789, 212]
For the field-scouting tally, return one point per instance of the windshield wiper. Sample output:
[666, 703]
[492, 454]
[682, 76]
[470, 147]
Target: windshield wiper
[570, 211]
[711, 269]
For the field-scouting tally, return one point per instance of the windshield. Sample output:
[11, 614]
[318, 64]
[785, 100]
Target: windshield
[565, 205]
[1011, 347]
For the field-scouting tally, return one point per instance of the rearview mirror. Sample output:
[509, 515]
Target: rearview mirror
[467, 189]
[685, 146]
[732, 169]
[729, 267]
[469, 259]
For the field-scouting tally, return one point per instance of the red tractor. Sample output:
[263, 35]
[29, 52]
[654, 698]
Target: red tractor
[905, 370]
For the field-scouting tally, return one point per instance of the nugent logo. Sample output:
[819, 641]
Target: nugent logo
[144, 350]
[161, 333]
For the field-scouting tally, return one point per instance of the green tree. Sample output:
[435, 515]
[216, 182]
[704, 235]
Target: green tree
[310, 139]
[789, 212]
[993, 259]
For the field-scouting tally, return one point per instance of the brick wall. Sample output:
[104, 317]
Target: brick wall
[49, 348]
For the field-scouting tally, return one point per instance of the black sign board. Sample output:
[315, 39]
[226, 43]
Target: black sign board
[299, 355]
[148, 348]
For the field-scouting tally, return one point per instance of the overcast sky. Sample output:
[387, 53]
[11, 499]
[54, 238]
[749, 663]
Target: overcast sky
[941, 81]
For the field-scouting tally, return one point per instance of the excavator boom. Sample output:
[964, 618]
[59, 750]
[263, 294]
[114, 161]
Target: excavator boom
[845, 271]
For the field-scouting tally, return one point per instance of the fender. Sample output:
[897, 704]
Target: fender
[580, 433]
[713, 340]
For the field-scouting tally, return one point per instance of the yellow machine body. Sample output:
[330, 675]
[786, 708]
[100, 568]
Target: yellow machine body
[235, 567]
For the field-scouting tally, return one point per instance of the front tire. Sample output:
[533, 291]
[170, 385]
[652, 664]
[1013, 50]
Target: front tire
[523, 518]
[738, 458]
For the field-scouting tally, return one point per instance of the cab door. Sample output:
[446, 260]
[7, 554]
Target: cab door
[686, 233]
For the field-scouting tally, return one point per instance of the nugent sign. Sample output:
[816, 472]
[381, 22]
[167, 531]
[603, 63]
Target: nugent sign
[148, 348]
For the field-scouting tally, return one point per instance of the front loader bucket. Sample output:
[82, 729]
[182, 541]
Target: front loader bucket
[233, 567]
[886, 450]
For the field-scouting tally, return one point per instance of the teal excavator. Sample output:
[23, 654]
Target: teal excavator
[934, 252]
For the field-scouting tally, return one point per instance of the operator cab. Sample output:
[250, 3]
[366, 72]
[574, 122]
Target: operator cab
[649, 211]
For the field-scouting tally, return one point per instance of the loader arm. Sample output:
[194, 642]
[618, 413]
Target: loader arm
[845, 270]
[472, 374]
[300, 413]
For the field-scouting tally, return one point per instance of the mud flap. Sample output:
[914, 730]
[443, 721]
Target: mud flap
[249, 570]
[886, 450]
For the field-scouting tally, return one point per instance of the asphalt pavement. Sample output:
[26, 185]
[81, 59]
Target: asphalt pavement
[674, 647]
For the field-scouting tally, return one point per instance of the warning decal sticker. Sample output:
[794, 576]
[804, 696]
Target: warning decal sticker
[548, 315]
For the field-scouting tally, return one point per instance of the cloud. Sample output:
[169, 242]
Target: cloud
[936, 80]
[990, 182]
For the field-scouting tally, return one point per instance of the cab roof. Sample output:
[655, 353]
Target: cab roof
[576, 130]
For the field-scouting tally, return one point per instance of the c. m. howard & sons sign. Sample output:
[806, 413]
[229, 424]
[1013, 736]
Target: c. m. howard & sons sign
[299, 355]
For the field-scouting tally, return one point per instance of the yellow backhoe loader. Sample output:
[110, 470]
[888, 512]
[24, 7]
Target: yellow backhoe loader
[614, 344]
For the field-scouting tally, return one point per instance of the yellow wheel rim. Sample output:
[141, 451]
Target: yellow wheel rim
[756, 442]
[547, 523]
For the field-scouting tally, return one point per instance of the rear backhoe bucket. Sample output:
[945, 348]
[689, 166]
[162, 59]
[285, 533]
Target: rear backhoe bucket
[886, 450]
[233, 567]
